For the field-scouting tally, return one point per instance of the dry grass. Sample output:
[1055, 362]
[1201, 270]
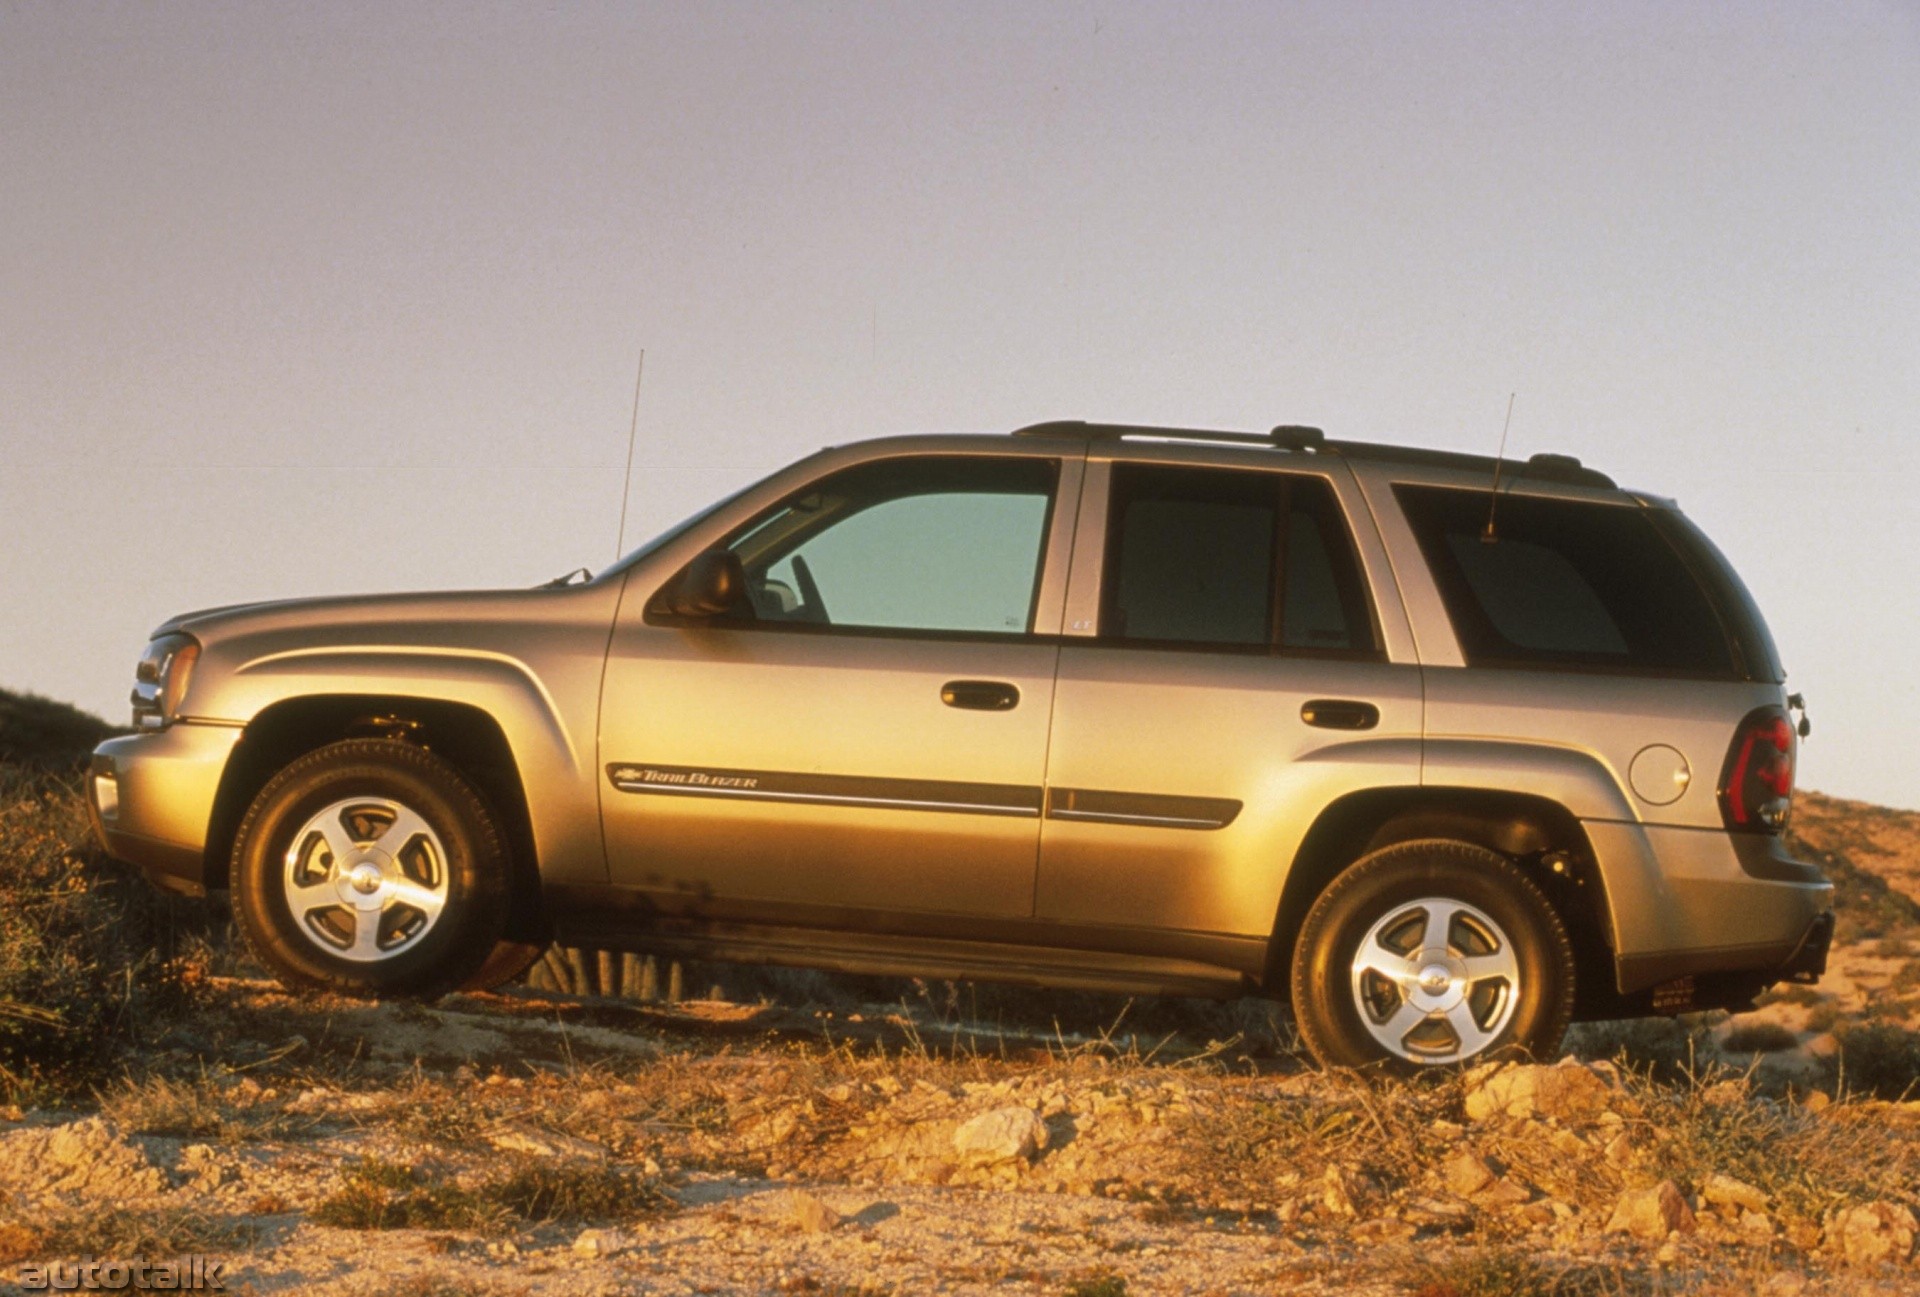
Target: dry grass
[91, 959]
[1508, 1272]
[198, 1108]
[574, 1192]
[378, 1194]
[114, 1230]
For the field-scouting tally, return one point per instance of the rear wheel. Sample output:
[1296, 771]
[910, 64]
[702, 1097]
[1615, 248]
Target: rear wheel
[1431, 953]
[370, 867]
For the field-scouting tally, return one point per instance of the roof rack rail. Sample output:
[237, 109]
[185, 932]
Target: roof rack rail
[1543, 467]
[1288, 436]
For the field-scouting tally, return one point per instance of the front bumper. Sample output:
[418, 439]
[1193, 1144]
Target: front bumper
[151, 797]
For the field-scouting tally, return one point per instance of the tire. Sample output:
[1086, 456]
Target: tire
[1428, 954]
[333, 890]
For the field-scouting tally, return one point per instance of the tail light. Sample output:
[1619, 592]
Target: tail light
[1756, 785]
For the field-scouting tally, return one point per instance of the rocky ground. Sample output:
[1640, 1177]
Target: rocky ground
[535, 1143]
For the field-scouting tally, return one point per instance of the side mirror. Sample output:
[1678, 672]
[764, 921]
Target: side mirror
[712, 584]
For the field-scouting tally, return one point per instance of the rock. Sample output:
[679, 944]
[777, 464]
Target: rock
[1339, 1192]
[1870, 1234]
[1651, 1213]
[1466, 1175]
[1503, 1193]
[1003, 1135]
[1569, 1090]
[201, 1168]
[88, 1157]
[809, 1213]
[545, 1144]
[601, 1242]
[1725, 1191]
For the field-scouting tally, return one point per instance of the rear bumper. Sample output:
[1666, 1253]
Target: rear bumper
[151, 797]
[1803, 959]
[1696, 902]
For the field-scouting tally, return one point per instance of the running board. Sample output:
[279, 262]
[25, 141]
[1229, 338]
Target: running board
[896, 956]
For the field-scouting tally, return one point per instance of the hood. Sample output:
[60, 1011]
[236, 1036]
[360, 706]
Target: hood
[363, 611]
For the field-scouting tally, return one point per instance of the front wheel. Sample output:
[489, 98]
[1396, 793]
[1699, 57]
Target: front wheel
[370, 867]
[1430, 953]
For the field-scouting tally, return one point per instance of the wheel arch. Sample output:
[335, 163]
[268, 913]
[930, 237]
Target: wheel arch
[464, 735]
[1541, 835]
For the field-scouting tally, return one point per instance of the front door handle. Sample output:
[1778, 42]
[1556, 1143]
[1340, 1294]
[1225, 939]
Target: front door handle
[980, 695]
[1340, 714]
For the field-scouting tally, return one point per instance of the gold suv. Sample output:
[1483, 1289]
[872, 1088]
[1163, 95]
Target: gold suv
[1449, 752]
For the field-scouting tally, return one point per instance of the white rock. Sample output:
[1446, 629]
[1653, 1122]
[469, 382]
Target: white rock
[89, 1158]
[1466, 1174]
[1003, 1135]
[601, 1242]
[544, 1143]
[1566, 1091]
[1651, 1213]
[1869, 1235]
[809, 1213]
[1725, 1191]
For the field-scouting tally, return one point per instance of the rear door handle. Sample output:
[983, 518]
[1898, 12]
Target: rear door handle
[980, 695]
[1340, 714]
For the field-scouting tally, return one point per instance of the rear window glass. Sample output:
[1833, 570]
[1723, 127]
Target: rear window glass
[1567, 584]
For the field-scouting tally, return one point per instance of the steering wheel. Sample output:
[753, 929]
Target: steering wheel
[809, 591]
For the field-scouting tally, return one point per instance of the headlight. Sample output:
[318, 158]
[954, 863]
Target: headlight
[160, 681]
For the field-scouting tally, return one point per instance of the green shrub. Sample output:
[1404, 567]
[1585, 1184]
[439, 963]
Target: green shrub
[1880, 1059]
[1106, 1283]
[1759, 1038]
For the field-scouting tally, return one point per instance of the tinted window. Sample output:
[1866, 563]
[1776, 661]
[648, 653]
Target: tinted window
[1221, 557]
[933, 543]
[1565, 583]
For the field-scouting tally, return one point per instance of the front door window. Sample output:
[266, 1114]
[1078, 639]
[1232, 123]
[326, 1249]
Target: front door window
[942, 544]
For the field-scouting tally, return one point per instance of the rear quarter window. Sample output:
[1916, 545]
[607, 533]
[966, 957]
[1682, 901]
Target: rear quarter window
[1567, 584]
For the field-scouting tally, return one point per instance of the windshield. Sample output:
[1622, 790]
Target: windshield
[674, 532]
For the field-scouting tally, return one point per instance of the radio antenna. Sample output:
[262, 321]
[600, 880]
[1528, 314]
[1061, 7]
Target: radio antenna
[1488, 535]
[633, 432]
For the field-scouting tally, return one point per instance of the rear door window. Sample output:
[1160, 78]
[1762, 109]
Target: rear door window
[1231, 559]
[1565, 583]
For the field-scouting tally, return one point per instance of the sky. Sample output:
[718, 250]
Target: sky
[309, 299]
